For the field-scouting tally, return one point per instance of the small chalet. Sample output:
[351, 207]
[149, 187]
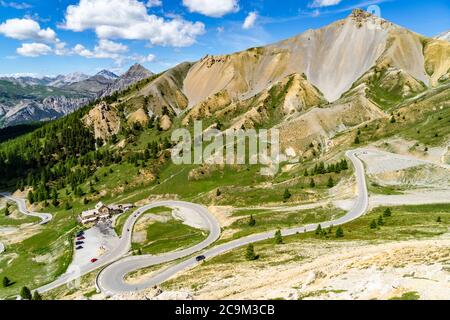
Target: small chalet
[103, 212]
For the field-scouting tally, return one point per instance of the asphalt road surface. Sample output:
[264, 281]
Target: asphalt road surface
[22, 206]
[111, 279]
[124, 246]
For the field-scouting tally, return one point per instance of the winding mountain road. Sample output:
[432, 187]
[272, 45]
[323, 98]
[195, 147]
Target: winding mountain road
[22, 206]
[124, 246]
[111, 280]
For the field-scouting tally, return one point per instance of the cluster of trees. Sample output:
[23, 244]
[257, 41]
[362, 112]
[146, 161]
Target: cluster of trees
[61, 141]
[326, 233]
[25, 292]
[374, 224]
[321, 168]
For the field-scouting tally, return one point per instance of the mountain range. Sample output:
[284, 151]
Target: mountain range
[28, 99]
[312, 86]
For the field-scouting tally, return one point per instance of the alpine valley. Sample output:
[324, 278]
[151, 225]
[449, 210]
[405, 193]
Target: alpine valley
[360, 208]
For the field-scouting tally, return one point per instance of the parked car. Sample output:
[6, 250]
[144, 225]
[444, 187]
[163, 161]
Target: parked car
[80, 233]
[94, 260]
[79, 242]
[200, 258]
[79, 247]
[81, 238]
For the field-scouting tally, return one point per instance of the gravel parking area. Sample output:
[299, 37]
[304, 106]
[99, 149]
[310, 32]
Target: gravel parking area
[98, 240]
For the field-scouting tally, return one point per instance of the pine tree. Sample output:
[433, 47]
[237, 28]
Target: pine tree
[278, 237]
[357, 140]
[286, 194]
[387, 212]
[439, 220]
[319, 230]
[7, 213]
[218, 193]
[37, 295]
[373, 224]
[339, 232]
[250, 253]
[251, 221]
[312, 183]
[6, 282]
[306, 173]
[330, 183]
[380, 221]
[25, 293]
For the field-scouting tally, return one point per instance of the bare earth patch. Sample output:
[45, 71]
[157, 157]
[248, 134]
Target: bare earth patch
[345, 270]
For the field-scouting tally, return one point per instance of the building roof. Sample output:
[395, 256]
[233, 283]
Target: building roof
[89, 213]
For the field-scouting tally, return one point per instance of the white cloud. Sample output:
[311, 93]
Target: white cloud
[154, 3]
[110, 46]
[26, 29]
[144, 59]
[34, 49]
[128, 19]
[106, 49]
[15, 5]
[324, 3]
[212, 8]
[250, 20]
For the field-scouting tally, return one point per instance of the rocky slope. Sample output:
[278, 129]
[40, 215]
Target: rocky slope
[133, 75]
[49, 108]
[312, 86]
[25, 99]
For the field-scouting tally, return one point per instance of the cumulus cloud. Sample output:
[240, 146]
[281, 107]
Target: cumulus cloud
[144, 59]
[106, 49]
[34, 49]
[26, 29]
[250, 20]
[212, 8]
[324, 3]
[111, 46]
[129, 19]
[154, 3]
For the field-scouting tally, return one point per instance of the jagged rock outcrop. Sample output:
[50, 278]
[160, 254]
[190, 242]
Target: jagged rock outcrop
[134, 74]
[103, 120]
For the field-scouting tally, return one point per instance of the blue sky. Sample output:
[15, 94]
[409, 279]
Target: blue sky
[61, 36]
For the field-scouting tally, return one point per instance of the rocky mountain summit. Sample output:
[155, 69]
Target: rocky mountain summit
[136, 73]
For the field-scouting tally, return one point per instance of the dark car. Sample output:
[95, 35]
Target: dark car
[200, 258]
[80, 233]
[79, 247]
[79, 242]
[94, 260]
[81, 238]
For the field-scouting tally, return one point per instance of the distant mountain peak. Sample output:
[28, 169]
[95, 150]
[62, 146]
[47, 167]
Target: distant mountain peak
[107, 74]
[137, 69]
[444, 36]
